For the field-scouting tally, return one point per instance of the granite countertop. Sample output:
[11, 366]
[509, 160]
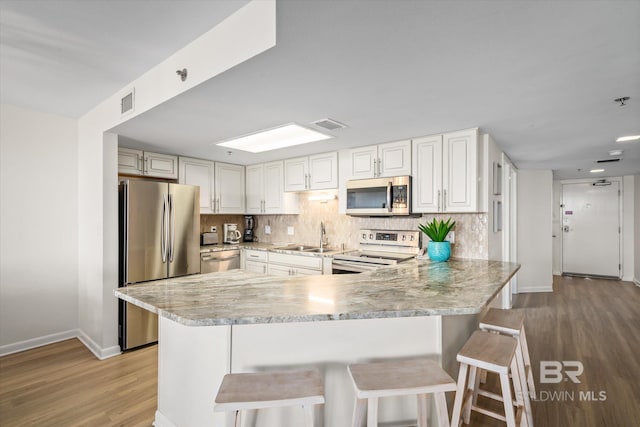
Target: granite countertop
[412, 288]
[268, 247]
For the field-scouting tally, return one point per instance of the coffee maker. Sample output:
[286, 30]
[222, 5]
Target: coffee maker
[249, 223]
[231, 233]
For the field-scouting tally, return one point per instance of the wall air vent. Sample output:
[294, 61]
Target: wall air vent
[329, 124]
[127, 102]
[608, 161]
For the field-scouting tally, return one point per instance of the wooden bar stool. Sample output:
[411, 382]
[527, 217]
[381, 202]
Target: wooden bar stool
[511, 322]
[261, 390]
[400, 378]
[494, 353]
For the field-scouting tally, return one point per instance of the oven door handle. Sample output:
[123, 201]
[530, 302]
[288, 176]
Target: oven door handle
[389, 191]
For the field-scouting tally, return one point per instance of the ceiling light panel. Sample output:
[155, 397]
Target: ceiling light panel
[628, 138]
[275, 138]
[596, 170]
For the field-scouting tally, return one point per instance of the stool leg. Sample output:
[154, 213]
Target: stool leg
[359, 411]
[527, 363]
[472, 390]
[372, 412]
[423, 413]
[441, 409]
[460, 389]
[508, 402]
[522, 379]
[308, 415]
[518, 392]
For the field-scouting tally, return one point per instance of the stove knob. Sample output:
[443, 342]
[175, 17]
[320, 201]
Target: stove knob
[404, 237]
[371, 236]
[364, 236]
[412, 238]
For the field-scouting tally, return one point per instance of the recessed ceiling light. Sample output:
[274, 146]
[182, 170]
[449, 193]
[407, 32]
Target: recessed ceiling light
[596, 170]
[628, 138]
[275, 138]
[615, 153]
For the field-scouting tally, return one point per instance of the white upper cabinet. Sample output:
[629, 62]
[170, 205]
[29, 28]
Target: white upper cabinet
[201, 173]
[445, 172]
[137, 162]
[265, 190]
[229, 185]
[383, 160]
[317, 172]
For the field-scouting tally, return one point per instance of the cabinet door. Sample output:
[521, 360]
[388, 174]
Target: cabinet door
[198, 172]
[160, 165]
[295, 174]
[323, 171]
[130, 161]
[273, 187]
[305, 272]
[229, 188]
[255, 267]
[363, 162]
[427, 174]
[280, 270]
[394, 158]
[255, 188]
[459, 171]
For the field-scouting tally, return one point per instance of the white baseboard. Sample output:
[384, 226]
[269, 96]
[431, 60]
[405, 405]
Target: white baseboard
[535, 289]
[636, 281]
[162, 421]
[99, 352]
[37, 342]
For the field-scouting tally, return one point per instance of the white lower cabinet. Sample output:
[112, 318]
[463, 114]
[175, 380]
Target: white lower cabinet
[255, 266]
[280, 264]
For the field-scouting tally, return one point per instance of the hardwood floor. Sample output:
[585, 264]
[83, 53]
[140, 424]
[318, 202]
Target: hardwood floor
[595, 322]
[63, 384]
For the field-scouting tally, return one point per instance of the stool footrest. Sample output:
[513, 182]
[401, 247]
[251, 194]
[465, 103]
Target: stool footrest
[489, 413]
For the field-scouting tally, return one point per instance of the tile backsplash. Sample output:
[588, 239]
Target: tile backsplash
[470, 230]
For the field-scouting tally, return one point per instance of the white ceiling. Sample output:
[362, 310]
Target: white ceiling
[539, 76]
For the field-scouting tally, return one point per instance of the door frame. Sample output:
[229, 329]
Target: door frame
[617, 179]
[510, 223]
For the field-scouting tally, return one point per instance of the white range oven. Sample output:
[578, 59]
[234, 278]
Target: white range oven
[378, 248]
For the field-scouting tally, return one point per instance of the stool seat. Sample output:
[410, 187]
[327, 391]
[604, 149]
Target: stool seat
[399, 378]
[505, 321]
[269, 389]
[420, 377]
[494, 351]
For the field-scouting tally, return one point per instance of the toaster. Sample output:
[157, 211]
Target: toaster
[208, 239]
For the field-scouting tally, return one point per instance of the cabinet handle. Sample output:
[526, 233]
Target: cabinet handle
[444, 201]
[379, 167]
[146, 165]
[375, 168]
[139, 163]
[439, 195]
[264, 268]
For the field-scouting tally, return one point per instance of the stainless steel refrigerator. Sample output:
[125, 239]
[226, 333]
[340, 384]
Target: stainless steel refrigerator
[159, 238]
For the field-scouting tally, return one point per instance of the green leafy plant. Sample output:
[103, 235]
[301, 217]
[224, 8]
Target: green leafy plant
[437, 230]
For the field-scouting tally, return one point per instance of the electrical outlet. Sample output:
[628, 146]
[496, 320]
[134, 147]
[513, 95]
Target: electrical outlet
[290, 231]
[451, 237]
[267, 229]
[214, 229]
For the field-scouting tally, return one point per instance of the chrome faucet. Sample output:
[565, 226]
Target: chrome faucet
[323, 235]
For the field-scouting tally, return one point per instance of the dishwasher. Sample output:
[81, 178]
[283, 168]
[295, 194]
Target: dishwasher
[212, 261]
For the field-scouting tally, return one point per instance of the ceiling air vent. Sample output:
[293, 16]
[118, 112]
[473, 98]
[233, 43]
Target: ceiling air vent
[329, 124]
[608, 161]
[126, 102]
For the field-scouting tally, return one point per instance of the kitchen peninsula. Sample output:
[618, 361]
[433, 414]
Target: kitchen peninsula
[235, 321]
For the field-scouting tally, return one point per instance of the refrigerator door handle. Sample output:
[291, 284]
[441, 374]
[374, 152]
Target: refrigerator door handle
[172, 214]
[163, 236]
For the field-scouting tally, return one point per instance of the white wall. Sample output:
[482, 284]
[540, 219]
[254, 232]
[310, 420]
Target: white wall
[628, 227]
[38, 224]
[535, 199]
[636, 216]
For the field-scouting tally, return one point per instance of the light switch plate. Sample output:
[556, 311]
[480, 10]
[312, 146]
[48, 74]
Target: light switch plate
[290, 231]
[267, 229]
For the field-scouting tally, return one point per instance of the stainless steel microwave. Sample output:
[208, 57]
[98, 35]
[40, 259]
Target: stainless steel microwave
[379, 196]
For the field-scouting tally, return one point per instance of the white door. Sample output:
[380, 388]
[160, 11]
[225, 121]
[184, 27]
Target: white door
[591, 229]
[255, 188]
[229, 188]
[363, 162]
[198, 172]
[323, 171]
[395, 158]
[427, 174]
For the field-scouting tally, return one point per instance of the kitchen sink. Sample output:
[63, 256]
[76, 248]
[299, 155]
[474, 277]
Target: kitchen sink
[321, 250]
[299, 248]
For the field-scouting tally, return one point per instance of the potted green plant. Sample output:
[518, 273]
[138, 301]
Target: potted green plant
[438, 248]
